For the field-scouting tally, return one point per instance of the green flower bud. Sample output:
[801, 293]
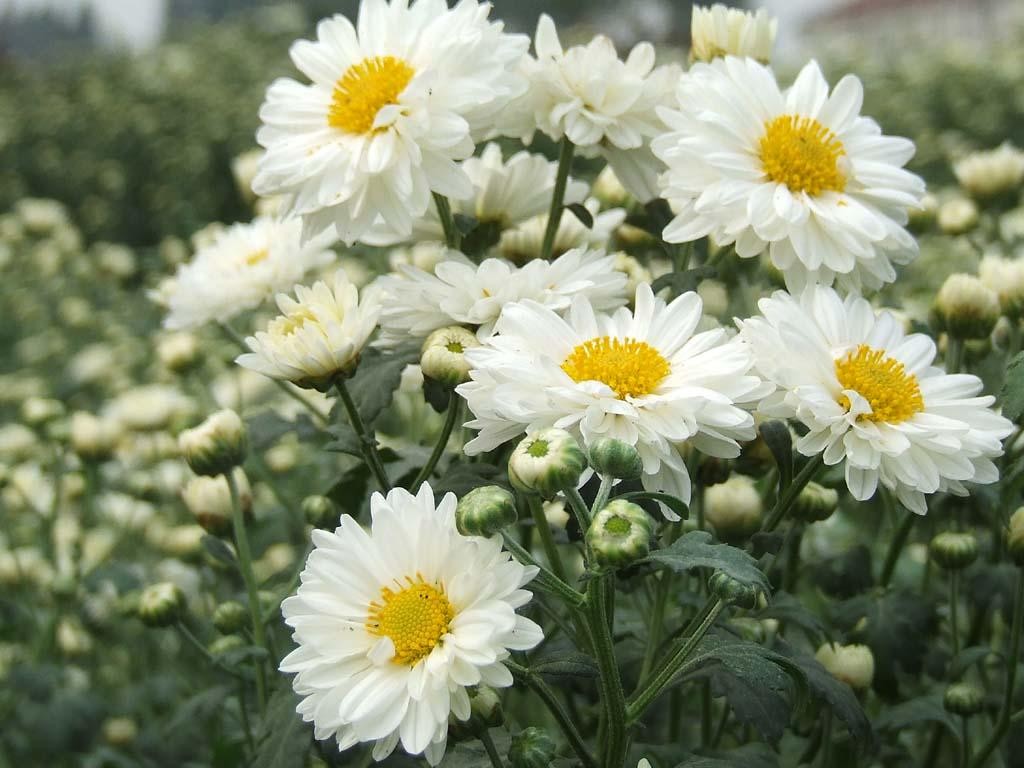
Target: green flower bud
[531, 748]
[1015, 537]
[120, 731]
[852, 664]
[230, 617]
[217, 445]
[226, 644]
[546, 462]
[966, 308]
[485, 511]
[733, 591]
[713, 471]
[209, 499]
[319, 512]
[963, 699]
[160, 605]
[443, 358]
[485, 712]
[734, 508]
[815, 503]
[954, 551]
[615, 458]
[620, 534]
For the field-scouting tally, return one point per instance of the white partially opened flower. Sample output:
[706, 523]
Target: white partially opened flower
[602, 104]
[459, 292]
[718, 31]
[524, 241]
[241, 266]
[870, 396]
[992, 172]
[392, 104]
[797, 173]
[395, 623]
[318, 336]
[642, 377]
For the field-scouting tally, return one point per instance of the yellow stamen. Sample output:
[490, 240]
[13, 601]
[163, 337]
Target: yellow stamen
[894, 394]
[290, 323]
[364, 88]
[256, 257]
[803, 154]
[415, 618]
[630, 367]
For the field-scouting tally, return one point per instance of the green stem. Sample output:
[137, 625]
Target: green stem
[492, 752]
[442, 442]
[1012, 660]
[546, 580]
[954, 355]
[705, 714]
[564, 720]
[826, 740]
[954, 599]
[657, 622]
[896, 545]
[579, 508]
[601, 499]
[245, 564]
[789, 494]
[192, 640]
[615, 743]
[660, 679]
[367, 442]
[965, 742]
[557, 197]
[452, 236]
[540, 522]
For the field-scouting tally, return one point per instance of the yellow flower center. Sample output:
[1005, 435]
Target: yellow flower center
[415, 618]
[293, 321]
[256, 257]
[364, 88]
[893, 393]
[803, 154]
[628, 366]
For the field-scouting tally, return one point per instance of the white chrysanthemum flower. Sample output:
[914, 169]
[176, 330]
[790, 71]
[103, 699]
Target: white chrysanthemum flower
[393, 624]
[798, 173]
[241, 266]
[870, 397]
[505, 193]
[394, 102]
[318, 335]
[1006, 278]
[523, 243]
[643, 377]
[602, 104]
[718, 31]
[992, 172]
[459, 292]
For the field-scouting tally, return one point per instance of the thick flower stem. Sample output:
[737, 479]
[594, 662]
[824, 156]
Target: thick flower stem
[367, 442]
[442, 442]
[245, 565]
[579, 508]
[1012, 661]
[564, 720]
[601, 499]
[492, 751]
[788, 495]
[546, 580]
[540, 523]
[452, 236]
[614, 743]
[557, 197]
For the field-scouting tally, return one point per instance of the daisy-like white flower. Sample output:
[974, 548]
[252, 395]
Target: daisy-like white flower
[459, 292]
[719, 31]
[393, 624]
[505, 193]
[643, 377]
[392, 104]
[318, 335]
[871, 397]
[241, 266]
[602, 104]
[798, 173]
[524, 242]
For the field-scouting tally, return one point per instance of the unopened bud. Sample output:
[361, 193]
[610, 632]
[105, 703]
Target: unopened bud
[215, 446]
[485, 511]
[160, 605]
[230, 617]
[37, 411]
[93, 438]
[954, 551]
[485, 712]
[734, 508]
[319, 512]
[443, 358]
[226, 644]
[1015, 537]
[616, 459]
[209, 499]
[531, 748]
[546, 462]
[966, 307]
[620, 534]
[713, 471]
[179, 352]
[120, 731]
[963, 699]
[852, 664]
[957, 216]
[815, 503]
[733, 591]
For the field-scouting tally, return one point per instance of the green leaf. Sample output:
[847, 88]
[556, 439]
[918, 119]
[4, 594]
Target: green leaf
[675, 504]
[283, 740]
[198, 708]
[461, 478]
[748, 756]
[681, 282]
[580, 212]
[567, 664]
[926, 709]
[345, 440]
[1012, 394]
[238, 657]
[966, 659]
[777, 437]
[787, 609]
[696, 550]
[471, 754]
[375, 382]
[219, 551]
[267, 427]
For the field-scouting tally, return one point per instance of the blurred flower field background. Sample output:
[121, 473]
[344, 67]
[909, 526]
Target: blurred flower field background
[114, 170]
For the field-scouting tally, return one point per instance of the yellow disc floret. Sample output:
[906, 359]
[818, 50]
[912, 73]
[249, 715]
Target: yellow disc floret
[894, 394]
[364, 88]
[415, 618]
[630, 367]
[257, 257]
[289, 323]
[803, 154]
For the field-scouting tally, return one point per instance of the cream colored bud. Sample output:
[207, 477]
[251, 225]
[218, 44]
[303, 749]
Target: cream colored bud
[37, 411]
[967, 308]
[1006, 278]
[93, 438]
[734, 508]
[991, 173]
[215, 446]
[957, 216]
[852, 664]
[120, 731]
[243, 168]
[720, 31]
[178, 352]
[443, 358]
[609, 190]
[72, 639]
[209, 500]
[715, 296]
